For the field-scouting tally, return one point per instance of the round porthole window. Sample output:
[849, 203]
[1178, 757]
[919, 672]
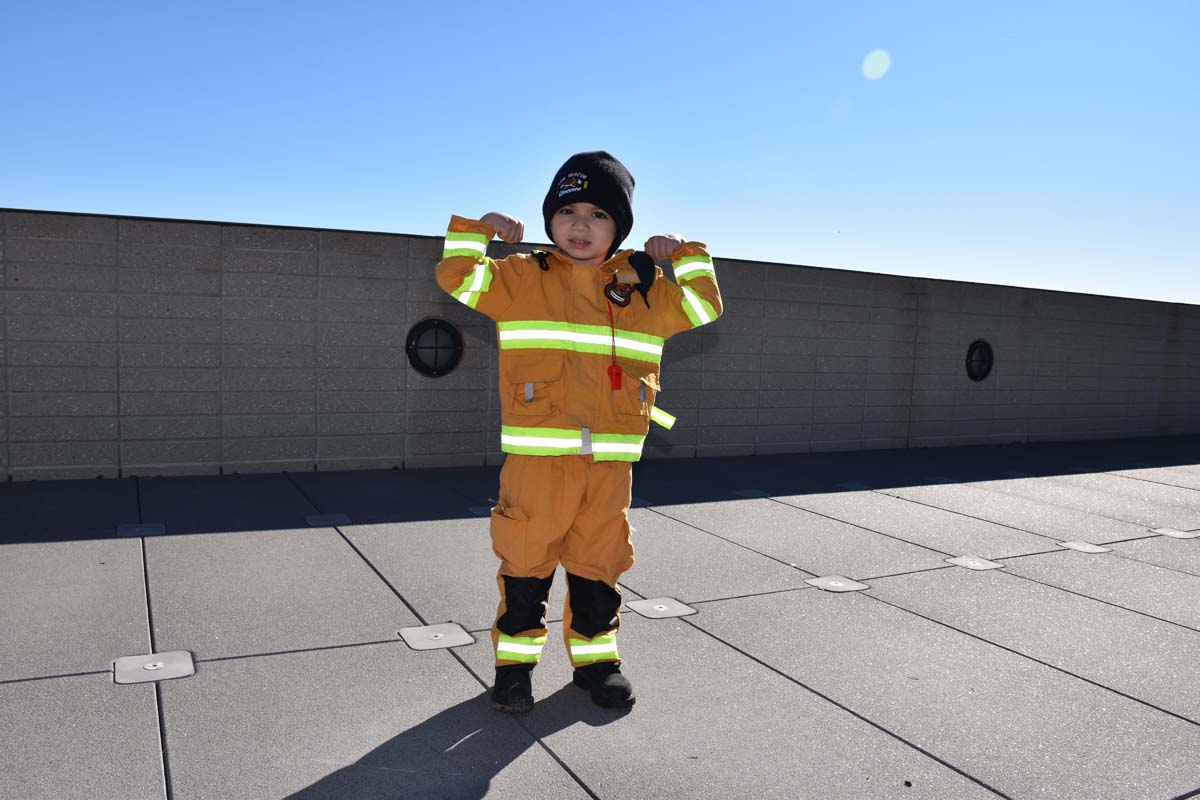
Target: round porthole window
[979, 360]
[434, 347]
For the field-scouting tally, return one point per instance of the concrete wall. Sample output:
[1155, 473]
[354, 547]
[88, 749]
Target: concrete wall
[139, 347]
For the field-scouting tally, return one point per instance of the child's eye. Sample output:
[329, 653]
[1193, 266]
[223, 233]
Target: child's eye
[565, 210]
[599, 215]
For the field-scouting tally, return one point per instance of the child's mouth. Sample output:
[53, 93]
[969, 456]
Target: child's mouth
[579, 243]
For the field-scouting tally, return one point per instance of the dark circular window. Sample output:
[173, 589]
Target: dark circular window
[979, 360]
[434, 347]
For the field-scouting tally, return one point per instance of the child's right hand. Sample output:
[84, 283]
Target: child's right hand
[510, 229]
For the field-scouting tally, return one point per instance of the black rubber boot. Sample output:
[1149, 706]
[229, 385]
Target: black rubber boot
[513, 692]
[608, 686]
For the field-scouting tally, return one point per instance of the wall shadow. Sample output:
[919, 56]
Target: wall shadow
[55, 511]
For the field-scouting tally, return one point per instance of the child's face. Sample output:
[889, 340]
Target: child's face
[584, 232]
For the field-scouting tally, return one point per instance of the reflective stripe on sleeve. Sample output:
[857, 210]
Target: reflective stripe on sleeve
[689, 268]
[662, 418]
[698, 310]
[475, 284]
[460, 243]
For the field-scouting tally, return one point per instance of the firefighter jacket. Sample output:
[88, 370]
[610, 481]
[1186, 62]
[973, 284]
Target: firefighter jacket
[559, 336]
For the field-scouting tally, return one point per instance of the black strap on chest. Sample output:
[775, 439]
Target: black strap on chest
[643, 265]
[541, 256]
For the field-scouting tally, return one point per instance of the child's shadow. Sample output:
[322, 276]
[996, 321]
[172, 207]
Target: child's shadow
[457, 753]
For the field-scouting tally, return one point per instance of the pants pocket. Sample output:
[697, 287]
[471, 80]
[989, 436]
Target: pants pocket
[510, 530]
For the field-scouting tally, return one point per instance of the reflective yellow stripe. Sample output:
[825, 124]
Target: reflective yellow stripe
[601, 648]
[662, 418]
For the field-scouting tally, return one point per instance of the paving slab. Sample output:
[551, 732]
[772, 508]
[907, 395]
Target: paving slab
[1129, 509]
[378, 722]
[815, 544]
[1054, 522]
[1184, 477]
[710, 722]
[68, 607]
[1021, 727]
[79, 738]
[444, 568]
[1182, 555]
[936, 529]
[1126, 652]
[50, 511]
[231, 594]
[218, 503]
[1149, 589]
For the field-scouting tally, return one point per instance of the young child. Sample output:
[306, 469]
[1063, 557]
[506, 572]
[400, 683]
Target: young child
[580, 333]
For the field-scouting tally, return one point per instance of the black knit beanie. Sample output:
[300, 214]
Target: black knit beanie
[595, 178]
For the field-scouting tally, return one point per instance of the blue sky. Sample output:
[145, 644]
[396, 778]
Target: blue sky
[1046, 144]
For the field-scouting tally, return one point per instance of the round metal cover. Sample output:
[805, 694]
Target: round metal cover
[979, 360]
[434, 347]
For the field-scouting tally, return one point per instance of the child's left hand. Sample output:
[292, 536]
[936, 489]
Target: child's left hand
[660, 248]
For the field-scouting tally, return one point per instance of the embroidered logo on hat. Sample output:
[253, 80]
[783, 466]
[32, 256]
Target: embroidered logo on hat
[573, 182]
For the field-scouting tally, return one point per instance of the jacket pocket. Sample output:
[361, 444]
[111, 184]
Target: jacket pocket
[533, 384]
[635, 398]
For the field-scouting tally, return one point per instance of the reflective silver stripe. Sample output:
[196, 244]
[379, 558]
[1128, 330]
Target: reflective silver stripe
[587, 442]
[512, 647]
[584, 649]
[528, 391]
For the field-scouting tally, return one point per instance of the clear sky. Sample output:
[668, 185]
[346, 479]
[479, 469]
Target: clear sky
[1047, 144]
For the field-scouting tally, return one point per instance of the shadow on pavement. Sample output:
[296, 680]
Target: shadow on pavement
[457, 753]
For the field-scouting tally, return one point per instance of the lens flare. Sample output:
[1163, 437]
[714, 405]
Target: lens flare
[876, 64]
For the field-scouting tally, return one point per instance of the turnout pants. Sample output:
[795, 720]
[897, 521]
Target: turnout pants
[571, 510]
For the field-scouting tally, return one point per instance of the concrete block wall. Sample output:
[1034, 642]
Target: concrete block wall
[144, 347]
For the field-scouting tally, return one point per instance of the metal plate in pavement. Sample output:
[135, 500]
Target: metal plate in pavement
[436, 637]
[660, 608]
[836, 583]
[1085, 547]
[974, 562]
[153, 667]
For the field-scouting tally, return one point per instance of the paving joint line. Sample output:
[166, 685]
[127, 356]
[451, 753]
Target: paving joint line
[861, 527]
[1019, 576]
[168, 783]
[1147, 480]
[7, 681]
[1059, 505]
[1115, 553]
[847, 709]
[164, 750]
[746, 596]
[963, 514]
[731, 541]
[1034, 659]
[268, 654]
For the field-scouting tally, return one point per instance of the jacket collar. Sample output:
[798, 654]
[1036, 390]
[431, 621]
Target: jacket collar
[608, 267]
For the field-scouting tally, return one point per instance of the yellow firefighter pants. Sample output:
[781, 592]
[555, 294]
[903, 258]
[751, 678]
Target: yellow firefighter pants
[569, 510]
